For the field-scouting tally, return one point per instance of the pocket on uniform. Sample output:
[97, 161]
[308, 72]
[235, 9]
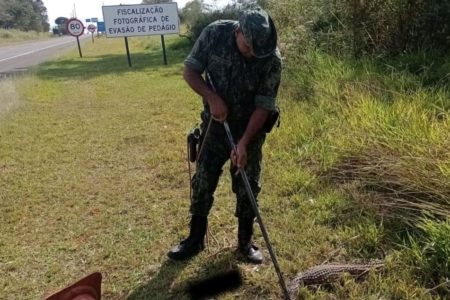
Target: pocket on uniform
[219, 70]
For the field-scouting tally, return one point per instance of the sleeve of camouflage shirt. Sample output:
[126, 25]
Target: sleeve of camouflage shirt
[268, 89]
[197, 60]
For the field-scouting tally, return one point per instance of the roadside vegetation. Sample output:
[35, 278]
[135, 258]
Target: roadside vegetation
[9, 36]
[24, 15]
[23, 20]
[94, 177]
[366, 91]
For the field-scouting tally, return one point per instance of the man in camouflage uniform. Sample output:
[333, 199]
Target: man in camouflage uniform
[244, 65]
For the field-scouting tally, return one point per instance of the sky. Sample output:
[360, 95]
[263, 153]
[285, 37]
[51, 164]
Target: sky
[86, 9]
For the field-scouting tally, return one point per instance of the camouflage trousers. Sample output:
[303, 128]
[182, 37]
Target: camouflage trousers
[216, 151]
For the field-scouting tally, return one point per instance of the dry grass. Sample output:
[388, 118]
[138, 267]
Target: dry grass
[400, 186]
[8, 36]
[9, 98]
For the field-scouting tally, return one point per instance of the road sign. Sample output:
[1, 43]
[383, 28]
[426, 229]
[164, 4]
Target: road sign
[134, 20]
[101, 26]
[75, 27]
[91, 28]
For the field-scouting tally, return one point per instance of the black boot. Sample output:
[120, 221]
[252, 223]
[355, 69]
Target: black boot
[194, 243]
[246, 246]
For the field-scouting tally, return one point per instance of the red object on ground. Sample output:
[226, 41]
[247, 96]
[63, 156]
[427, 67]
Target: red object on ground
[87, 288]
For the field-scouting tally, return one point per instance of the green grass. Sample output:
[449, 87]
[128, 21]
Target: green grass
[375, 137]
[8, 36]
[93, 177]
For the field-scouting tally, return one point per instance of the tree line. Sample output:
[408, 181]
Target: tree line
[24, 15]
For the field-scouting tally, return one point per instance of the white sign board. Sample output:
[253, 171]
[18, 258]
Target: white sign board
[134, 20]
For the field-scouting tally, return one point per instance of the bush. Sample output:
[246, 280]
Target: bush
[393, 142]
[197, 15]
[428, 251]
[373, 27]
[196, 27]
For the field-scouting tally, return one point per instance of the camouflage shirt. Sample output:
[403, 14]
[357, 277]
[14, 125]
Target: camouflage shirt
[242, 83]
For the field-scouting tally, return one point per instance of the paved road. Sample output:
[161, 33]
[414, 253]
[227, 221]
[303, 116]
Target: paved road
[18, 58]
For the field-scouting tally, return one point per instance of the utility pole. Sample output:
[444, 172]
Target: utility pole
[74, 14]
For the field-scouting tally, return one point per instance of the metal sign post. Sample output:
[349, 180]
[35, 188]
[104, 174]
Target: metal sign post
[76, 28]
[128, 52]
[91, 28]
[164, 49]
[79, 47]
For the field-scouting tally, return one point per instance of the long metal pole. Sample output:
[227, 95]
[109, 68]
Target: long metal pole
[164, 49]
[254, 205]
[258, 216]
[128, 52]
[79, 48]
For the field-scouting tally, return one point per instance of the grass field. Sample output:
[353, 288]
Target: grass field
[94, 177]
[9, 36]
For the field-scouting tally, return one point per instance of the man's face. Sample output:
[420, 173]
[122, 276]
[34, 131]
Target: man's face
[243, 46]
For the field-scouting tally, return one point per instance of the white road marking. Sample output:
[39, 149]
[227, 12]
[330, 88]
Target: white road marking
[34, 51]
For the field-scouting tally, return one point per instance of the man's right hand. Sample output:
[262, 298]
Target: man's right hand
[217, 107]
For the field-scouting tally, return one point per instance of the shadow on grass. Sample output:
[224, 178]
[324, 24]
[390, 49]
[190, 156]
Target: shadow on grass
[90, 67]
[160, 286]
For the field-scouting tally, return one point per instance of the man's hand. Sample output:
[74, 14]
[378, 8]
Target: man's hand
[218, 108]
[239, 157]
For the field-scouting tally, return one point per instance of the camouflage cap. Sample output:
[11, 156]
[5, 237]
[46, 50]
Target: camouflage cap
[259, 31]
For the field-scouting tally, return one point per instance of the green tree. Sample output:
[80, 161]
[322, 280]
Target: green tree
[41, 12]
[24, 15]
[192, 11]
[5, 16]
[248, 4]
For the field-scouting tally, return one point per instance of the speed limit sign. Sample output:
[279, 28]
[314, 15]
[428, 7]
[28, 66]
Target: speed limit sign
[75, 27]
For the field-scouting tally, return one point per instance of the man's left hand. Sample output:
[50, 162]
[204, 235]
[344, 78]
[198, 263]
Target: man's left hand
[239, 157]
